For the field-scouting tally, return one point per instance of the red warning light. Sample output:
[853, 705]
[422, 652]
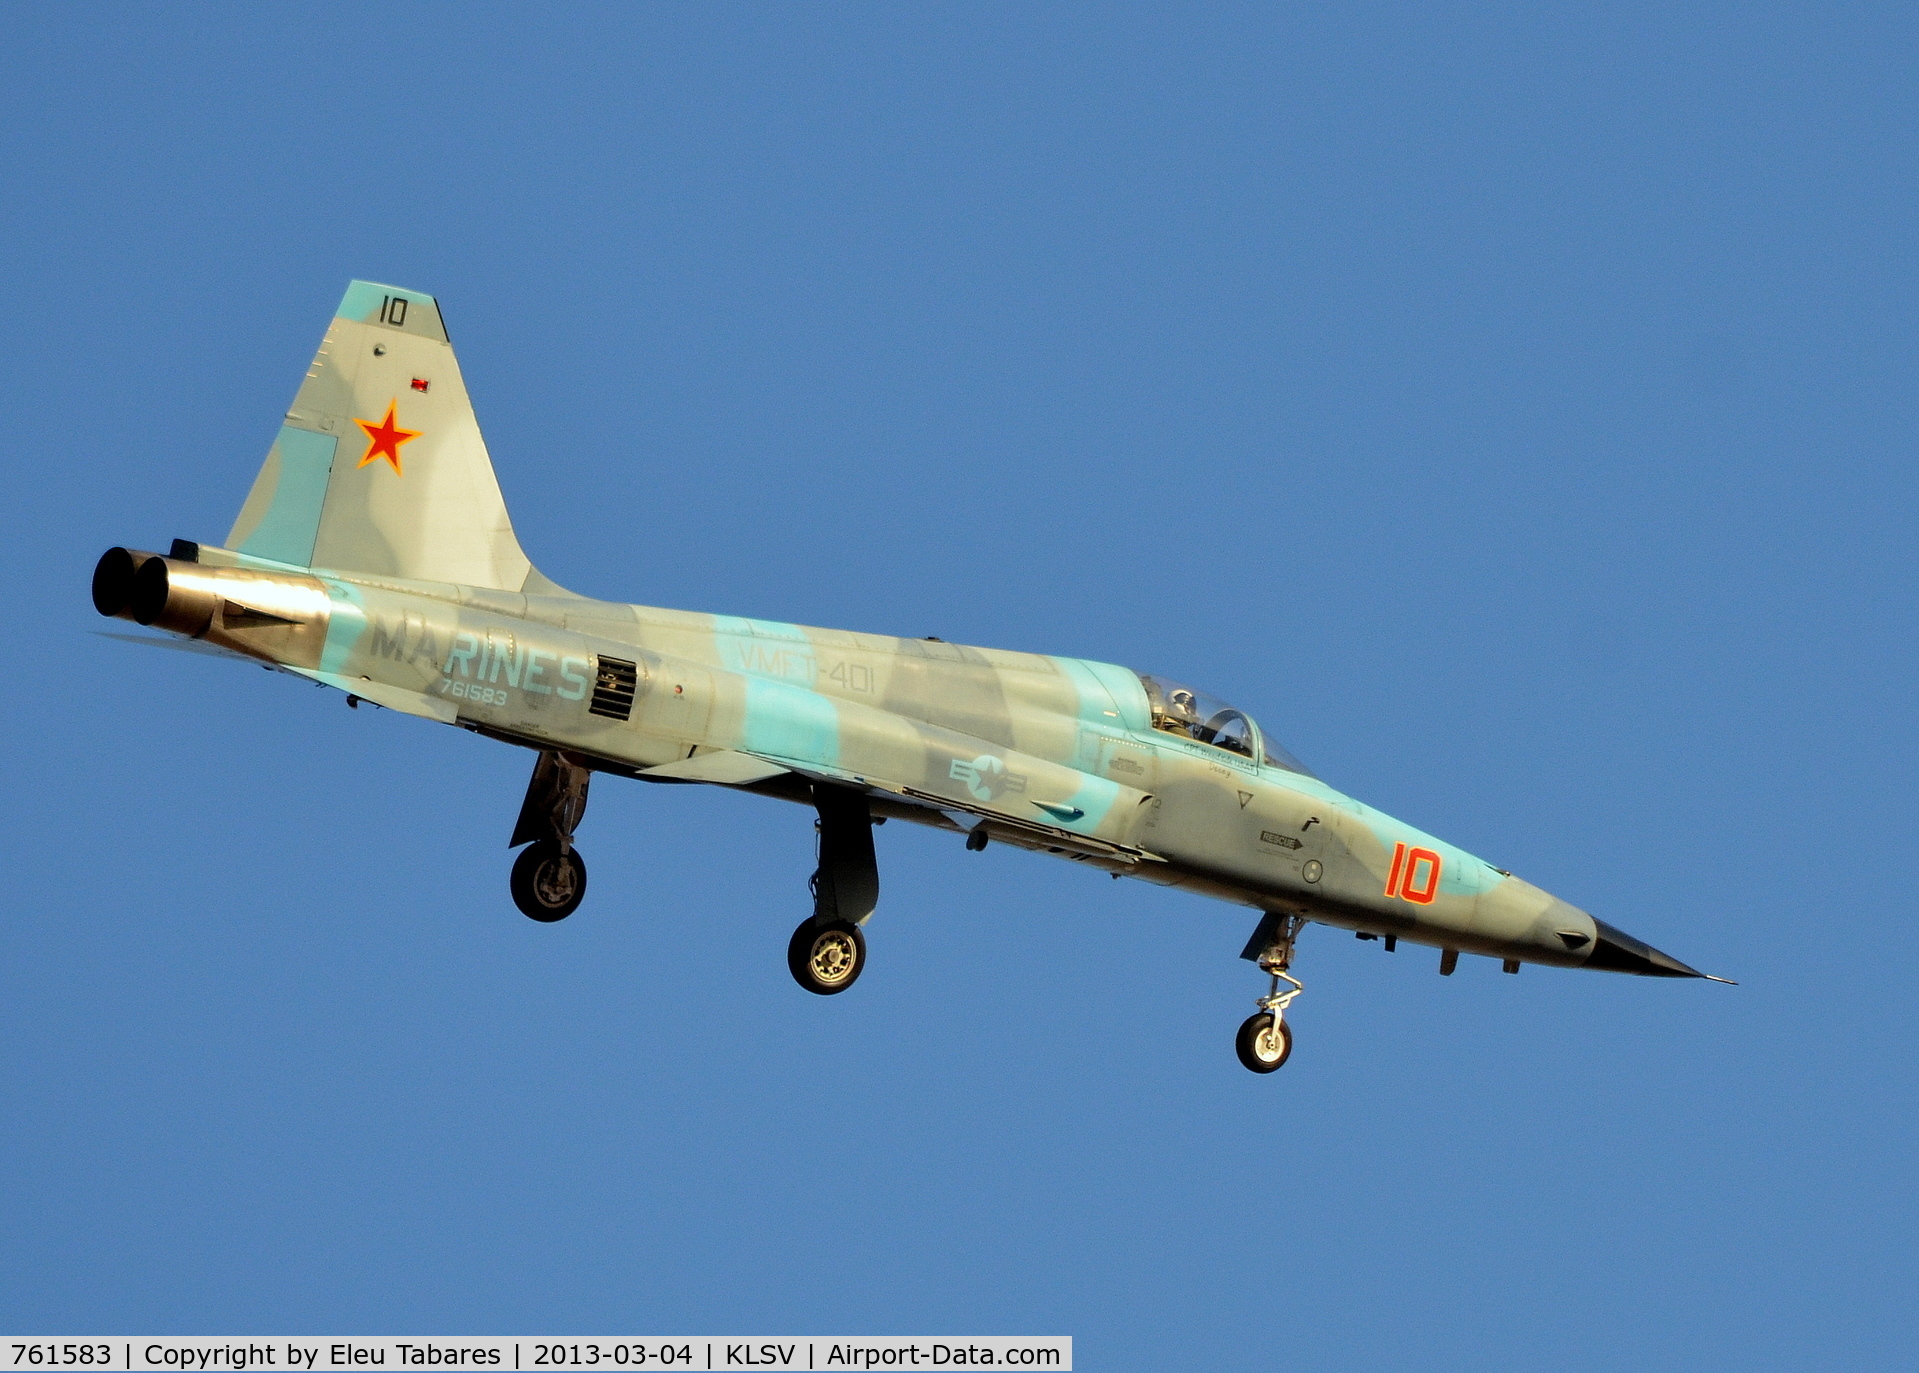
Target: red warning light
[419, 383]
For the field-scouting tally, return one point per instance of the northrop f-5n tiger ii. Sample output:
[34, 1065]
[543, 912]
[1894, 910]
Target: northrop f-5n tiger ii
[374, 554]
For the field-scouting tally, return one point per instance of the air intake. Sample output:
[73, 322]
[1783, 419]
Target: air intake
[613, 689]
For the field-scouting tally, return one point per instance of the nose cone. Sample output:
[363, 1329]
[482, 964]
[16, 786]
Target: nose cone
[1616, 951]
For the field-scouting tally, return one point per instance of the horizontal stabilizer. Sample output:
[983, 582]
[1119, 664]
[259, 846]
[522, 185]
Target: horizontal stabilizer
[181, 646]
[393, 698]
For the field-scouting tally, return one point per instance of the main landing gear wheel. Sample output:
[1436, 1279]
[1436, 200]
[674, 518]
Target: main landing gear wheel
[1260, 1046]
[548, 883]
[826, 956]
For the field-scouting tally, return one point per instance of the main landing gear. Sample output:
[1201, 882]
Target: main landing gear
[828, 951]
[1265, 1041]
[549, 878]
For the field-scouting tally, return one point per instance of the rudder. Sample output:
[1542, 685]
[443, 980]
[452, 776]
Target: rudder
[380, 466]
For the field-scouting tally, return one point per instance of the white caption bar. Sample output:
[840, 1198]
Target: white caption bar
[498, 1353]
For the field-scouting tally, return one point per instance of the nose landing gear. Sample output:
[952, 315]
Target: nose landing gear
[1265, 1041]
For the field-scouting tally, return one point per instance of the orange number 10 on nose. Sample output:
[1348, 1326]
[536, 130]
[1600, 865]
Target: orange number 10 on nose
[1407, 881]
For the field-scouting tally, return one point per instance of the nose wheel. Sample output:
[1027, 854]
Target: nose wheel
[1263, 1044]
[1265, 1040]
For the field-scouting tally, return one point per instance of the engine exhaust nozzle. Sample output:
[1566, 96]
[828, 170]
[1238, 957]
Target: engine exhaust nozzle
[113, 579]
[175, 595]
[279, 617]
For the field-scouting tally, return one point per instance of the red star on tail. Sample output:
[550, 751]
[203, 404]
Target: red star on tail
[384, 439]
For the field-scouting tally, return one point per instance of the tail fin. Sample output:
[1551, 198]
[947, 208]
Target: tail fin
[380, 466]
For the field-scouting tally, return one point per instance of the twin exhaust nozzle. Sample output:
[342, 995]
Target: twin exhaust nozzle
[149, 589]
[281, 616]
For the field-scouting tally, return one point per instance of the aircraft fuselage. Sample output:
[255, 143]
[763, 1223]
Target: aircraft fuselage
[1053, 754]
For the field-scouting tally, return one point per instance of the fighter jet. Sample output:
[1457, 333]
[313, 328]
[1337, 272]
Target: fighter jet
[374, 555]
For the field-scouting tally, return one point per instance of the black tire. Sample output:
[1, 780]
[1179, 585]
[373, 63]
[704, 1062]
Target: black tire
[826, 957]
[548, 885]
[1254, 1043]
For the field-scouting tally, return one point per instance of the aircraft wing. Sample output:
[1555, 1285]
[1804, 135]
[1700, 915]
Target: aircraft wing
[966, 815]
[1053, 837]
[722, 766]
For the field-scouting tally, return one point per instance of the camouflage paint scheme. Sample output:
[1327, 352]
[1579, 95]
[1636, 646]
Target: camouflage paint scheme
[398, 578]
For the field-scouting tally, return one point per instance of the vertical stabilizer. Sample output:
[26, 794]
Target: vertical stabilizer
[380, 466]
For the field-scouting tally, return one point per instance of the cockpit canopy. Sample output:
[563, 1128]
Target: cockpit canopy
[1179, 709]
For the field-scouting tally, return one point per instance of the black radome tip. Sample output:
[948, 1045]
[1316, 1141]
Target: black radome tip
[1618, 952]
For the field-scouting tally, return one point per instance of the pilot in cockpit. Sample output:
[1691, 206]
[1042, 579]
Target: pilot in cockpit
[1182, 713]
[1180, 710]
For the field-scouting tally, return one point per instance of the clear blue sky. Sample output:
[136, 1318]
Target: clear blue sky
[1512, 410]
